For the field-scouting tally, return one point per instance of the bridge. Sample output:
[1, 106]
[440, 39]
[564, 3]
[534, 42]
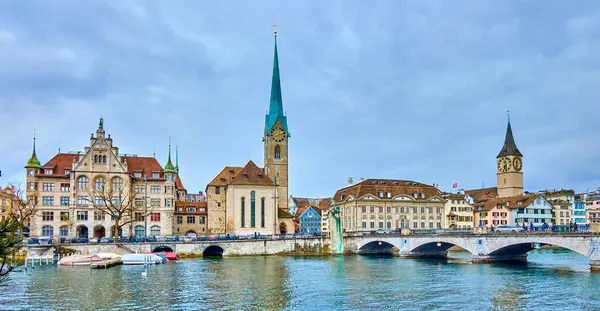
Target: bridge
[483, 247]
[307, 245]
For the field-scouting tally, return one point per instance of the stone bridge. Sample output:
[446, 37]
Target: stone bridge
[483, 248]
[315, 245]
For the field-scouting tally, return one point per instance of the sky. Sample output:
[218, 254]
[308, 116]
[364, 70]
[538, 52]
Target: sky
[414, 90]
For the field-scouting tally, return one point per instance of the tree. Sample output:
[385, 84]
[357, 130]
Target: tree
[116, 200]
[22, 208]
[9, 245]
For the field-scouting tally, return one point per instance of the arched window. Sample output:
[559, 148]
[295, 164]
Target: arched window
[252, 209]
[243, 212]
[139, 231]
[155, 230]
[262, 212]
[64, 231]
[83, 183]
[103, 159]
[47, 231]
[95, 158]
[117, 184]
[277, 152]
[100, 184]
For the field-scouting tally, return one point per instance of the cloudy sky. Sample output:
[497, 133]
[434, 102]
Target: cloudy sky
[392, 89]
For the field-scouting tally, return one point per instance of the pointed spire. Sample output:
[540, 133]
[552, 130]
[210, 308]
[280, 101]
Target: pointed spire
[509, 148]
[276, 102]
[33, 161]
[169, 168]
[177, 158]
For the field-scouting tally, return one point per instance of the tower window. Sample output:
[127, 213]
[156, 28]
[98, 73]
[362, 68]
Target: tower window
[277, 152]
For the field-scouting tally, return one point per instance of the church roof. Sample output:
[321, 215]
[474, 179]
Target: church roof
[396, 187]
[509, 148]
[283, 214]
[225, 176]
[251, 175]
[276, 103]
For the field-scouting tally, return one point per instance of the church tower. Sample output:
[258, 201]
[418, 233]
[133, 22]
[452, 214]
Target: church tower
[510, 167]
[276, 136]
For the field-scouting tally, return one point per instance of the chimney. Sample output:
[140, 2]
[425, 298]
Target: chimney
[350, 181]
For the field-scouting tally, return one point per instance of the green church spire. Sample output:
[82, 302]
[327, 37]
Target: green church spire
[177, 158]
[276, 103]
[33, 161]
[169, 168]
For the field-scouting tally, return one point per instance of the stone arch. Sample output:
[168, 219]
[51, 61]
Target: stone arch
[191, 232]
[99, 231]
[437, 245]
[162, 248]
[82, 231]
[378, 247]
[282, 228]
[523, 247]
[213, 251]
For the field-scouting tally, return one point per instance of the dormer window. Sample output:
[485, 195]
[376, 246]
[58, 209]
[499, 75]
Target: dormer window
[415, 195]
[343, 197]
[137, 175]
[48, 172]
[381, 194]
[155, 175]
[191, 209]
[67, 172]
[395, 183]
[389, 194]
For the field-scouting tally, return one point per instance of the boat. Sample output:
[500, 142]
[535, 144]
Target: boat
[79, 260]
[169, 255]
[141, 259]
[108, 255]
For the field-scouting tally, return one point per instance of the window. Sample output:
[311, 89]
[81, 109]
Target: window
[364, 225]
[179, 220]
[82, 215]
[139, 216]
[381, 209]
[48, 187]
[82, 200]
[139, 231]
[364, 209]
[98, 215]
[155, 202]
[372, 209]
[32, 185]
[47, 231]
[155, 230]
[64, 216]
[48, 216]
[117, 184]
[83, 183]
[202, 220]
[48, 201]
[168, 202]
[48, 172]
[65, 187]
[217, 190]
[139, 202]
[155, 217]
[137, 175]
[155, 175]
[100, 184]
[422, 210]
[191, 219]
[140, 188]
[430, 225]
[389, 224]
[155, 189]
[372, 224]
[252, 209]
[30, 172]
[277, 152]
[262, 212]
[98, 201]
[422, 225]
[243, 212]
[64, 231]
[191, 209]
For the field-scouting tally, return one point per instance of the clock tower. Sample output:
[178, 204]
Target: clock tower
[275, 137]
[509, 167]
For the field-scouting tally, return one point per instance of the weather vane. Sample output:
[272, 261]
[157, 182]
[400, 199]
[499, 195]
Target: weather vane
[275, 29]
[508, 112]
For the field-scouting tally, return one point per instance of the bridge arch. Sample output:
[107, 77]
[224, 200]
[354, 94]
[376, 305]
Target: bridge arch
[162, 248]
[378, 247]
[439, 245]
[523, 247]
[213, 251]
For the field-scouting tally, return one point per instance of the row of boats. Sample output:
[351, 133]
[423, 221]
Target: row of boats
[105, 259]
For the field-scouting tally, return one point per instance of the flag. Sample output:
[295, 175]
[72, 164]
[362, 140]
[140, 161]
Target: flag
[455, 185]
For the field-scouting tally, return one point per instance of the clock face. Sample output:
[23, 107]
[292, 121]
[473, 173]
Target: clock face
[500, 165]
[278, 134]
[518, 164]
[506, 164]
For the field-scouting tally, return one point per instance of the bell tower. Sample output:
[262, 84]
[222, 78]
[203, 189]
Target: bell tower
[276, 137]
[510, 167]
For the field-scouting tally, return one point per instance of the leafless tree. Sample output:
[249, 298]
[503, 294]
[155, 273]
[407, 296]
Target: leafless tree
[22, 207]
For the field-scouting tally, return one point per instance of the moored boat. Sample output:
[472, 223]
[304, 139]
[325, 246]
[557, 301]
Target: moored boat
[169, 255]
[141, 259]
[79, 260]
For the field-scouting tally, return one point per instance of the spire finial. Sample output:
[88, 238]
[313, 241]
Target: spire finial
[101, 125]
[59, 147]
[275, 30]
[34, 141]
[177, 157]
[508, 113]
[169, 168]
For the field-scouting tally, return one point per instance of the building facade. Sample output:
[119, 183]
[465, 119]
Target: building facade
[310, 220]
[246, 200]
[324, 207]
[191, 218]
[458, 212]
[579, 214]
[73, 191]
[374, 204]
[592, 207]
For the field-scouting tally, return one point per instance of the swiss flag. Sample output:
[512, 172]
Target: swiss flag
[455, 185]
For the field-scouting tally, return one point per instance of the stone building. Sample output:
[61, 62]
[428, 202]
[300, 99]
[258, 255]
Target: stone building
[191, 218]
[246, 200]
[458, 212]
[73, 191]
[374, 204]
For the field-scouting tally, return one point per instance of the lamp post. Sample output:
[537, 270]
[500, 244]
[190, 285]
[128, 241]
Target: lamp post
[145, 207]
[275, 205]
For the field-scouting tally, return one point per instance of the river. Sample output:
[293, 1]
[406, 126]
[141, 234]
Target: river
[551, 280]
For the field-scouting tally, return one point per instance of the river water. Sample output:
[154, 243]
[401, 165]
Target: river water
[551, 280]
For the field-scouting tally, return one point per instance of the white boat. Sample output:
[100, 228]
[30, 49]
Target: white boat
[79, 260]
[141, 259]
[108, 255]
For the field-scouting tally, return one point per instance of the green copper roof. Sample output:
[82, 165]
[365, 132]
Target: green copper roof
[276, 104]
[170, 168]
[33, 161]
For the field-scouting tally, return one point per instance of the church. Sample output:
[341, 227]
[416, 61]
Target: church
[250, 199]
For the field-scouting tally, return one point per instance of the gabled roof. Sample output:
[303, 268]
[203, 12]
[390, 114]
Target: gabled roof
[303, 210]
[251, 175]
[482, 194]
[508, 202]
[225, 176]
[283, 214]
[396, 187]
[509, 148]
[324, 204]
[143, 165]
[59, 163]
[178, 183]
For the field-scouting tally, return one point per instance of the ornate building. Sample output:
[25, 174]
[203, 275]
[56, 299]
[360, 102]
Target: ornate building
[246, 200]
[72, 191]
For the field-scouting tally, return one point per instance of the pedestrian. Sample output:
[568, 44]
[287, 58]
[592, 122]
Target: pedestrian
[575, 226]
[531, 226]
[492, 228]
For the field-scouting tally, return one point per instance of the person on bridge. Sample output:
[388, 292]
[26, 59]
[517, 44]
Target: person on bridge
[544, 227]
[492, 228]
[531, 227]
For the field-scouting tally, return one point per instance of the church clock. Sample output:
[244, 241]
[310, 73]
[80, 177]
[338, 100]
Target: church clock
[278, 134]
[517, 164]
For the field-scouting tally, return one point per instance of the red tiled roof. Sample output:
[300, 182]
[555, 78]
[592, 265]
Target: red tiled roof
[451, 214]
[483, 194]
[59, 163]
[396, 187]
[225, 176]
[251, 175]
[198, 205]
[324, 204]
[178, 183]
[144, 165]
[508, 202]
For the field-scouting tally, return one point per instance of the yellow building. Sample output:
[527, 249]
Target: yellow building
[389, 204]
[458, 212]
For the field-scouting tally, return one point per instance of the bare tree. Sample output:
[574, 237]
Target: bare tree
[116, 200]
[22, 207]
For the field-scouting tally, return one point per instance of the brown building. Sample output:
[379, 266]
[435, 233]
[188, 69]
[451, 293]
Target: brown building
[191, 218]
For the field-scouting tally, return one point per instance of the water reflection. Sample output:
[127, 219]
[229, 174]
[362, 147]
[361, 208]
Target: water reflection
[314, 283]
